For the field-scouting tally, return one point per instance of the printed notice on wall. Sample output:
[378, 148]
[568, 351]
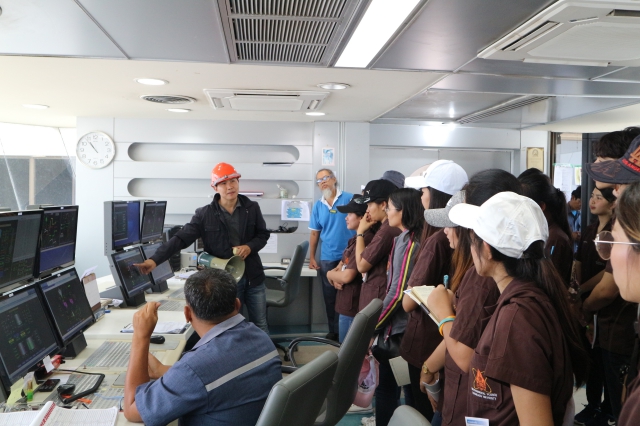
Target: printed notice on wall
[295, 210]
[272, 245]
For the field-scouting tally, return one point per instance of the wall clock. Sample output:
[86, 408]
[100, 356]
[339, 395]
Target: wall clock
[95, 150]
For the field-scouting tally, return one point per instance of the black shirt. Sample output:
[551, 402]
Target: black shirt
[233, 223]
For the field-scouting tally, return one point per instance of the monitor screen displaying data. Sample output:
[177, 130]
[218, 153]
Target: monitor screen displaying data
[19, 234]
[58, 242]
[130, 276]
[153, 220]
[125, 226]
[67, 301]
[26, 336]
[163, 271]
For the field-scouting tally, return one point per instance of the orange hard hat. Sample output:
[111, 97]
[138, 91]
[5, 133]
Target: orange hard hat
[222, 172]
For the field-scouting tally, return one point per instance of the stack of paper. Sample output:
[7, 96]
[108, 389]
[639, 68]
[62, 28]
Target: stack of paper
[52, 415]
[170, 327]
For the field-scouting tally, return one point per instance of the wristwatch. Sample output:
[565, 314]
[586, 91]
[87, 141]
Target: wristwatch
[360, 235]
[425, 369]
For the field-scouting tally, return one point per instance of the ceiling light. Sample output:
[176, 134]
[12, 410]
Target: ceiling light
[333, 86]
[152, 81]
[35, 106]
[315, 113]
[178, 110]
[380, 22]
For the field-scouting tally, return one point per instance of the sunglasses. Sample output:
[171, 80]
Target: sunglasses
[323, 179]
[604, 243]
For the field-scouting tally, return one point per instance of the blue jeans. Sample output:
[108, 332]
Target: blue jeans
[344, 323]
[255, 299]
[329, 293]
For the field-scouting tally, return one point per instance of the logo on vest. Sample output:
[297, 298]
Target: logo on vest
[481, 387]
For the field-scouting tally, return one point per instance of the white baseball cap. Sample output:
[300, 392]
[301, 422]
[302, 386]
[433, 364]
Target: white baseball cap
[443, 175]
[508, 222]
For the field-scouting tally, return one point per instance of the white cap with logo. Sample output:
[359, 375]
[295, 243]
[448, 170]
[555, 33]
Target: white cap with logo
[443, 175]
[507, 222]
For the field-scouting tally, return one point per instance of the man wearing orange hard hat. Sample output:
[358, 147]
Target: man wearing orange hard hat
[231, 223]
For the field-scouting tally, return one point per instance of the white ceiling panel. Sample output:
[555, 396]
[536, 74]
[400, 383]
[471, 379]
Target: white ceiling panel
[51, 28]
[174, 30]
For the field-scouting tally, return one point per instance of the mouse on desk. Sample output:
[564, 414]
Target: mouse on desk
[158, 340]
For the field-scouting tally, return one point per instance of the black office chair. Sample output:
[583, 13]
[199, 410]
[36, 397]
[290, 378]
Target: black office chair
[352, 352]
[289, 283]
[298, 398]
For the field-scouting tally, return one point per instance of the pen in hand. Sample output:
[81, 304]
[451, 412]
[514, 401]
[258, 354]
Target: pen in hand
[445, 281]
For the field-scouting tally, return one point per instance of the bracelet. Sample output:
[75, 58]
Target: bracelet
[444, 321]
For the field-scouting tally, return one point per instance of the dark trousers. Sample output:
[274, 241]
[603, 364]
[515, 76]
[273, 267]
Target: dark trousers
[612, 364]
[420, 400]
[329, 293]
[387, 395]
[595, 383]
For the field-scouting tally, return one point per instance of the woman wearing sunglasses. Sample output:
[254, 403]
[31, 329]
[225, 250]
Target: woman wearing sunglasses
[622, 246]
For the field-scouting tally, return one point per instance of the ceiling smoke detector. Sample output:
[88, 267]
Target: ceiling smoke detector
[168, 99]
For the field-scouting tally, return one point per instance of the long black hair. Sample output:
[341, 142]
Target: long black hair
[407, 200]
[537, 186]
[536, 268]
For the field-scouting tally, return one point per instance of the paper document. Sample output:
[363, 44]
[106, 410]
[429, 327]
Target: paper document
[52, 415]
[272, 245]
[295, 210]
[170, 327]
[89, 271]
[185, 275]
[420, 295]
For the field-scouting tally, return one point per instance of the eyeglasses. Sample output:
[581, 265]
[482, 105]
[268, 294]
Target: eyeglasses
[604, 243]
[323, 179]
[387, 209]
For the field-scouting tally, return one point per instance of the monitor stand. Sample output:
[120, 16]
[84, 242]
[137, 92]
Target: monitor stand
[159, 286]
[116, 292]
[75, 346]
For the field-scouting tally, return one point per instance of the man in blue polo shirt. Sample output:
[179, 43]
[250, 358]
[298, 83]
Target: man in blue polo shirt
[328, 224]
[224, 380]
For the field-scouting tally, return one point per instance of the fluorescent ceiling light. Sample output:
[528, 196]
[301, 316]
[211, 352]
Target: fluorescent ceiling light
[35, 106]
[315, 114]
[380, 22]
[566, 62]
[178, 110]
[333, 86]
[152, 81]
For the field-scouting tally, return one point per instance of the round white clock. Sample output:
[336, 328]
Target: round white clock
[95, 150]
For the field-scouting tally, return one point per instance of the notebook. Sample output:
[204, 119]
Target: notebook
[420, 295]
[51, 414]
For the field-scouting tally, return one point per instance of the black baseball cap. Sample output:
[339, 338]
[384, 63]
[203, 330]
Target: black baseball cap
[376, 190]
[623, 170]
[353, 207]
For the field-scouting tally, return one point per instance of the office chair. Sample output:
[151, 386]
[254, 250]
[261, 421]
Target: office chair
[408, 416]
[352, 352]
[298, 398]
[290, 284]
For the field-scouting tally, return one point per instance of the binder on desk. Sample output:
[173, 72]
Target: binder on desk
[420, 295]
[50, 414]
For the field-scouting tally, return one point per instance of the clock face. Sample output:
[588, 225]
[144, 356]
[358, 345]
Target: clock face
[95, 150]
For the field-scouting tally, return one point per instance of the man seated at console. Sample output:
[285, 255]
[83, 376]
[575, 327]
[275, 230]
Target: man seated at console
[225, 379]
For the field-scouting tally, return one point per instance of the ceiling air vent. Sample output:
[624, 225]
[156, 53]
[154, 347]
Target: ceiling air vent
[575, 32]
[285, 31]
[500, 108]
[168, 99]
[265, 100]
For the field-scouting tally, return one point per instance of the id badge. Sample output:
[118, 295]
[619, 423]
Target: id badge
[333, 211]
[475, 421]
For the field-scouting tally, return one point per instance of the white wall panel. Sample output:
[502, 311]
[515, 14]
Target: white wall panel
[443, 136]
[182, 170]
[213, 153]
[356, 158]
[217, 132]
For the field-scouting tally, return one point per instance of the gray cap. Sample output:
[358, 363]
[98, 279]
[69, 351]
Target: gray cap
[440, 217]
[394, 177]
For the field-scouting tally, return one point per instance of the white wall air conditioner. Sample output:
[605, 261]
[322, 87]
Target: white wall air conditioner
[265, 100]
[579, 32]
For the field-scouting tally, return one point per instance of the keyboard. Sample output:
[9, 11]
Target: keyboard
[110, 354]
[172, 305]
[178, 294]
[107, 398]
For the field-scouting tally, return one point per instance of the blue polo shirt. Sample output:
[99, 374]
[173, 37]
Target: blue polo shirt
[332, 226]
[224, 380]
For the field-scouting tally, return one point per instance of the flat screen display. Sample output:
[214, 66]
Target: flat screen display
[26, 335]
[163, 271]
[125, 223]
[153, 214]
[58, 238]
[130, 276]
[67, 301]
[19, 236]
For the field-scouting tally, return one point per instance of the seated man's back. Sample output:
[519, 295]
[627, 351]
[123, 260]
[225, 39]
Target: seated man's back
[224, 380]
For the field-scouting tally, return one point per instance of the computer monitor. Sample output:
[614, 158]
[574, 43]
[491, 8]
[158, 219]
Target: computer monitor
[162, 272]
[65, 297]
[58, 238]
[131, 281]
[122, 224]
[26, 334]
[153, 213]
[19, 237]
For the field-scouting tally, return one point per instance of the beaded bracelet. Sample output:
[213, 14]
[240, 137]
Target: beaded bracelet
[444, 321]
